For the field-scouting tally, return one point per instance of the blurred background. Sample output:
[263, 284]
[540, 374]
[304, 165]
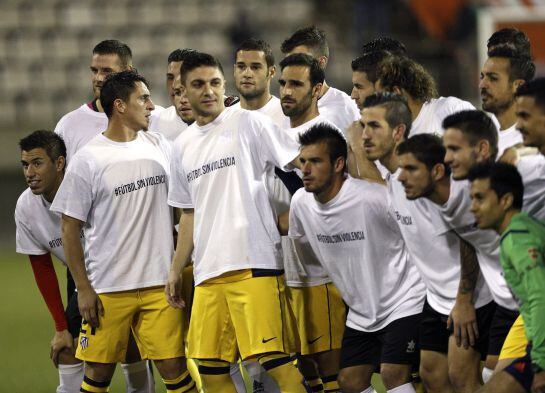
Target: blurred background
[45, 52]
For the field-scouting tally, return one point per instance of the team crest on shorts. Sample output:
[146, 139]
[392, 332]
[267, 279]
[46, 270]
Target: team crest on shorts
[84, 342]
[411, 345]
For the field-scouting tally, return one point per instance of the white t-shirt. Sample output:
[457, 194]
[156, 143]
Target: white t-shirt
[168, 123]
[437, 256]
[82, 124]
[433, 112]
[119, 189]
[272, 109]
[455, 214]
[337, 107]
[508, 138]
[218, 170]
[38, 229]
[360, 246]
[532, 171]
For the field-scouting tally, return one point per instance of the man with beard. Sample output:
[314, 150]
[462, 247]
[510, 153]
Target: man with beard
[530, 111]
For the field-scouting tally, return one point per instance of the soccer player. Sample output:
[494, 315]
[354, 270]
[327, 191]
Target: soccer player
[217, 180]
[530, 111]
[169, 122]
[512, 38]
[120, 280]
[335, 105]
[445, 365]
[364, 75]
[38, 236]
[309, 287]
[502, 73]
[357, 241]
[406, 77]
[497, 197]
[183, 108]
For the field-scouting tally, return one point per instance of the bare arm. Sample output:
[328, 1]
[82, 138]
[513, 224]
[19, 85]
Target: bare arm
[89, 303]
[182, 256]
[284, 223]
[463, 315]
[359, 166]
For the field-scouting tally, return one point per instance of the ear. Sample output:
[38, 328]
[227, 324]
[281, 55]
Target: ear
[316, 90]
[506, 201]
[340, 164]
[60, 164]
[322, 60]
[517, 83]
[272, 71]
[399, 133]
[437, 172]
[119, 105]
[397, 90]
[483, 149]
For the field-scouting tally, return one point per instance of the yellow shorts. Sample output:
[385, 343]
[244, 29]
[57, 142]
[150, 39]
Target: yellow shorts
[320, 314]
[157, 327]
[241, 313]
[515, 343]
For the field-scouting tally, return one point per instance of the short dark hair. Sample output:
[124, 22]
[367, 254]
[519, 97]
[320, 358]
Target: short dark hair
[510, 37]
[52, 143]
[198, 59]
[179, 54]
[369, 63]
[397, 109]
[389, 44]
[325, 133]
[317, 74]
[476, 125]
[408, 75]
[535, 89]
[115, 47]
[119, 85]
[427, 148]
[504, 179]
[520, 66]
[310, 36]
[253, 44]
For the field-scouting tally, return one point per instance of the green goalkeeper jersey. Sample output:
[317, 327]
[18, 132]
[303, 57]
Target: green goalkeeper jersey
[522, 258]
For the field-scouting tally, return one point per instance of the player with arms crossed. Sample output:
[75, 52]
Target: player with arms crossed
[217, 179]
[497, 197]
[347, 223]
[120, 279]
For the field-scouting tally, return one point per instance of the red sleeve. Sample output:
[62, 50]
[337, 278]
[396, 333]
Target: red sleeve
[44, 273]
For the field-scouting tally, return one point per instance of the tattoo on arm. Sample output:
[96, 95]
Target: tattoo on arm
[469, 272]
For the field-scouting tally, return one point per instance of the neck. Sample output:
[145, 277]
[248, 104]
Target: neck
[441, 192]
[506, 220]
[415, 107]
[203, 120]
[118, 131]
[309, 114]
[50, 195]
[331, 191]
[255, 103]
[325, 88]
[390, 161]
[99, 106]
[507, 118]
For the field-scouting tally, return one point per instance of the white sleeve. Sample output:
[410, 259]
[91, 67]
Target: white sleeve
[179, 194]
[75, 195]
[276, 146]
[25, 242]
[296, 230]
[59, 128]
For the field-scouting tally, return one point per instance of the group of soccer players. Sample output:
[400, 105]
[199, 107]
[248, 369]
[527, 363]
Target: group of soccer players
[319, 238]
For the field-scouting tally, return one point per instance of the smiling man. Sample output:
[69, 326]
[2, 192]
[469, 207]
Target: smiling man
[530, 110]
[121, 278]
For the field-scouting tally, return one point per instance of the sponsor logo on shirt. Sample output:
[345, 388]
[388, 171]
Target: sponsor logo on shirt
[139, 184]
[210, 167]
[58, 241]
[405, 220]
[342, 237]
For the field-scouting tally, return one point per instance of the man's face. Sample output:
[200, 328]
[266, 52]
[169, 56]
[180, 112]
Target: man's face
[138, 108]
[361, 89]
[485, 205]
[252, 75]
[296, 93]
[415, 177]
[101, 67]
[460, 155]
[41, 173]
[183, 109]
[318, 171]
[173, 70]
[497, 91]
[531, 122]
[205, 88]
[377, 136]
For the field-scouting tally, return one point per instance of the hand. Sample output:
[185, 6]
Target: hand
[173, 290]
[90, 306]
[353, 136]
[464, 318]
[538, 386]
[61, 340]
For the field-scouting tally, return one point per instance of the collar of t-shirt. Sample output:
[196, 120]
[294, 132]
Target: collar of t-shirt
[213, 123]
[329, 204]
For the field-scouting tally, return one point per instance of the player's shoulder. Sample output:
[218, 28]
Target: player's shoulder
[451, 104]
[301, 197]
[77, 114]
[518, 230]
[24, 202]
